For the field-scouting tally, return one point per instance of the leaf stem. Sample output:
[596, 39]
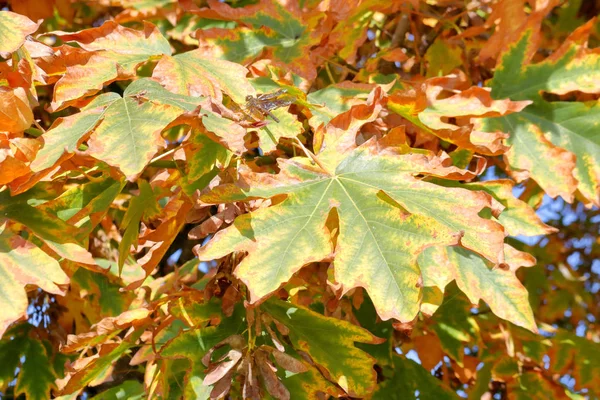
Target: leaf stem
[167, 153]
[310, 155]
[39, 126]
[329, 74]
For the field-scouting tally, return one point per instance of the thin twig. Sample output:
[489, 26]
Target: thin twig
[89, 177]
[348, 69]
[400, 32]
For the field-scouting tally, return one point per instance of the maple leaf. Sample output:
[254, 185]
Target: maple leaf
[144, 205]
[336, 99]
[555, 143]
[377, 207]
[195, 343]
[499, 287]
[518, 218]
[110, 52]
[386, 218]
[32, 359]
[126, 134]
[348, 366]
[37, 378]
[428, 110]
[409, 377]
[65, 135]
[194, 74]
[282, 30]
[204, 155]
[579, 356]
[287, 127]
[15, 114]
[22, 264]
[14, 28]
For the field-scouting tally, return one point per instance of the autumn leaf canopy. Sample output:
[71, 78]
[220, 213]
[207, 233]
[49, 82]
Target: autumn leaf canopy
[269, 199]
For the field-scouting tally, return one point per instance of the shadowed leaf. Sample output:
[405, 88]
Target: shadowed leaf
[330, 343]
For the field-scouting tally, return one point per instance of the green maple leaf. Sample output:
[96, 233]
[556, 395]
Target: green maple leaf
[287, 127]
[556, 143]
[194, 343]
[578, 356]
[36, 377]
[144, 205]
[29, 358]
[330, 343]
[124, 131]
[284, 31]
[386, 216]
[407, 378]
[130, 390]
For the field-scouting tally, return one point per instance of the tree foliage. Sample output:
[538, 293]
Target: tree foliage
[416, 217]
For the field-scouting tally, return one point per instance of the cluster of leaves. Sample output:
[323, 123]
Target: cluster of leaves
[157, 241]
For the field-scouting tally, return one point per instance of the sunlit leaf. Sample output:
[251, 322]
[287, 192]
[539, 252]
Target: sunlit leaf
[282, 30]
[204, 156]
[22, 264]
[14, 28]
[15, 110]
[553, 142]
[287, 127]
[430, 111]
[499, 287]
[67, 133]
[376, 195]
[113, 52]
[193, 74]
